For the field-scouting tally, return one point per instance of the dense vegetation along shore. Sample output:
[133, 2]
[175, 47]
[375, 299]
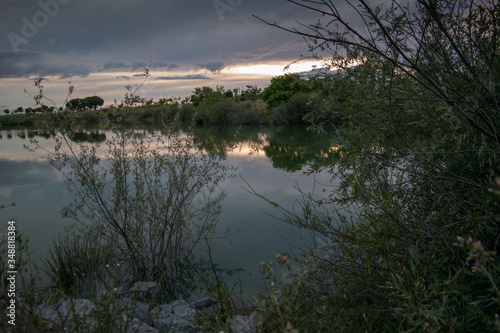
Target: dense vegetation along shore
[286, 101]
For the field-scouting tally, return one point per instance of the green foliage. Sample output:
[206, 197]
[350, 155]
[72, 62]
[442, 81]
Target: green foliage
[171, 112]
[249, 113]
[292, 112]
[222, 112]
[228, 112]
[207, 95]
[223, 308]
[201, 115]
[28, 291]
[221, 107]
[292, 302]
[419, 149]
[185, 114]
[75, 265]
[91, 103]
[251, 93]
[316, 100]
[110, 314]
[282, 88]
[90, 116]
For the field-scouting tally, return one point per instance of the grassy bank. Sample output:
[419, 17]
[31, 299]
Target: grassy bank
[226, 112]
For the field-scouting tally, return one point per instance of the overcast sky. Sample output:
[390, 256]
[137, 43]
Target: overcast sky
[102, 45]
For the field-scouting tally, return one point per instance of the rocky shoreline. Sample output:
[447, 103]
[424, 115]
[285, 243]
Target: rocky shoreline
[131, 313]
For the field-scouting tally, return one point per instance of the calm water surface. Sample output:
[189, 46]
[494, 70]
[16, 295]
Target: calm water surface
[271, 160]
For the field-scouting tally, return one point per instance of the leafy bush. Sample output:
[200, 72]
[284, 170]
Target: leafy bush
[146, 203]
[147, 114]
[201, 115]
[295, 111]
[222, 113]
[418, 151]
[227, 112]
[277, 115]
[282, 88]
[170, 112]
[186, 113]
[248, 115]
[90, 116]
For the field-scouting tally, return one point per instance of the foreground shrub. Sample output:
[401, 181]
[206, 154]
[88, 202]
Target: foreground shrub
[75, 265]
[145, 203]
[418, 150]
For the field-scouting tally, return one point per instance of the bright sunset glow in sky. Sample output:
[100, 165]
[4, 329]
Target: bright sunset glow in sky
[275, 69]
[100, 46]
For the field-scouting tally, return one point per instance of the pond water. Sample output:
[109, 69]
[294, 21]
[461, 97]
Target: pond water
[271, 160]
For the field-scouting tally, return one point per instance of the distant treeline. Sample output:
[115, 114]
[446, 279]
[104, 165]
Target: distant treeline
[289, 99]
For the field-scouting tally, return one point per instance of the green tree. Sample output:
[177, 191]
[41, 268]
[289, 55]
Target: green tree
[75, 104]
[207, 95]
[282, 88]
[200, 94]
[251, 93]
[93, 102]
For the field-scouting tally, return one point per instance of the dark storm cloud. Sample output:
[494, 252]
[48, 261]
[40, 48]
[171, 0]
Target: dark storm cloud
[185, 77]
[124, 35]
[115, 65]
[25, 64]
[162, 64]
[172, 66]
[156, 65]
[17, 65]
[214, 66]
[139, 65]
